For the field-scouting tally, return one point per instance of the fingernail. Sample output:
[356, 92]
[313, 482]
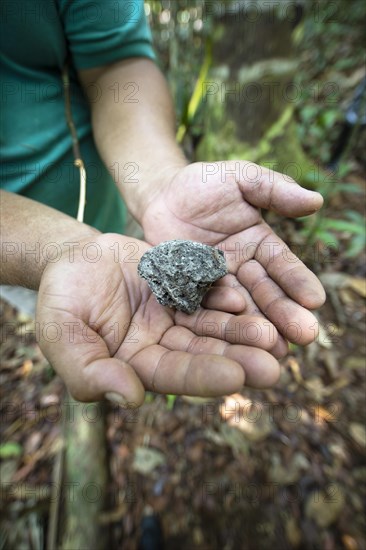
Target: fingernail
[115, 398]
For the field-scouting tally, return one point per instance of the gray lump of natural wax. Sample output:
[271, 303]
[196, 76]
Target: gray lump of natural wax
[179, 273]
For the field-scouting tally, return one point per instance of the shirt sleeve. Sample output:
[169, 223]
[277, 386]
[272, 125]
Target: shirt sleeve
[100, 32]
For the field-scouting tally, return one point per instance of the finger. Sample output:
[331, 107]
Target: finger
[241, 247]
[224, 299]
[295, 323]
[274, 191]
[165, 371]
[250, 307]
[113, 379]
[262, 244]
[260, 368]
[82, 359]
[280, 348]
[236, 329]
[290, 273]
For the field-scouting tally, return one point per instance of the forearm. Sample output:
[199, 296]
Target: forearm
[33, 234]
[138, 129]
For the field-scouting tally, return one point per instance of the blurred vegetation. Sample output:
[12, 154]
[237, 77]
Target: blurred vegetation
[330, 49]
[330, 55]
[181, 31]
[331, 61]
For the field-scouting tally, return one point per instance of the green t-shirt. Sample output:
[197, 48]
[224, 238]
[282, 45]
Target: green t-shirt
[37, 36]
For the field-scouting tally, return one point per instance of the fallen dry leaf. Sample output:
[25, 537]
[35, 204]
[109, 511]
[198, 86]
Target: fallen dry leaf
[287, 474]
[358, 433]
[349, 542]
[295, 369]
[27, 367]
[333, 281]
[358, 284]
[316, 387]
[331, 360]
[324, 509]
[147, 459]
[322, 414]
[347, 296]
[246, 415]
[235, 439]
[324, 338]
[355, 363]
[293, 532]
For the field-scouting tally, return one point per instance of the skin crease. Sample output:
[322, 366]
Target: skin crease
[104, 332]
[216, 203]
[124, 341]
[115, 338]
[273, 281]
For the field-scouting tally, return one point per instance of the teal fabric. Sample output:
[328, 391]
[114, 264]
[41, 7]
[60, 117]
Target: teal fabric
[36, 37]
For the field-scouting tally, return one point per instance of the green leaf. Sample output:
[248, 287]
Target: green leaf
[357, 245]
[309, 112]
[356, 216]
[343, 169]
[328, 118]
[343, 225]
[326, 237]
[343, 64]
[348, 188]
[170, 400]
[10, 449]
[149, 397]
[197, 95]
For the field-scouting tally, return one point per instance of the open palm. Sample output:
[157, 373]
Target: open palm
[219, 204]
[105, 333]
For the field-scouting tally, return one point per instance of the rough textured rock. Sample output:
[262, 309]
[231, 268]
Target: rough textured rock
[179, 272]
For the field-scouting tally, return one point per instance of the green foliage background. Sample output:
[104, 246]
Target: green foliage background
[331, 59]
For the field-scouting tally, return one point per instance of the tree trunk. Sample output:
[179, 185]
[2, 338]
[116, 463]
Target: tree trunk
[84, 478]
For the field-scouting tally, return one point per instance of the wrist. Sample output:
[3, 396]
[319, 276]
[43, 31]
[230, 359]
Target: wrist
[53, 251]
[153, 182]
[33, 236]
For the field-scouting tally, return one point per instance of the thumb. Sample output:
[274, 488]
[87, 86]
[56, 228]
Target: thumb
[110, 378]
[271, 190]
[85, 365]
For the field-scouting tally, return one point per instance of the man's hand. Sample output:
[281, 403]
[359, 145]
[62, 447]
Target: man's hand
[218, 204]
[106, 335]
[202, 201]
